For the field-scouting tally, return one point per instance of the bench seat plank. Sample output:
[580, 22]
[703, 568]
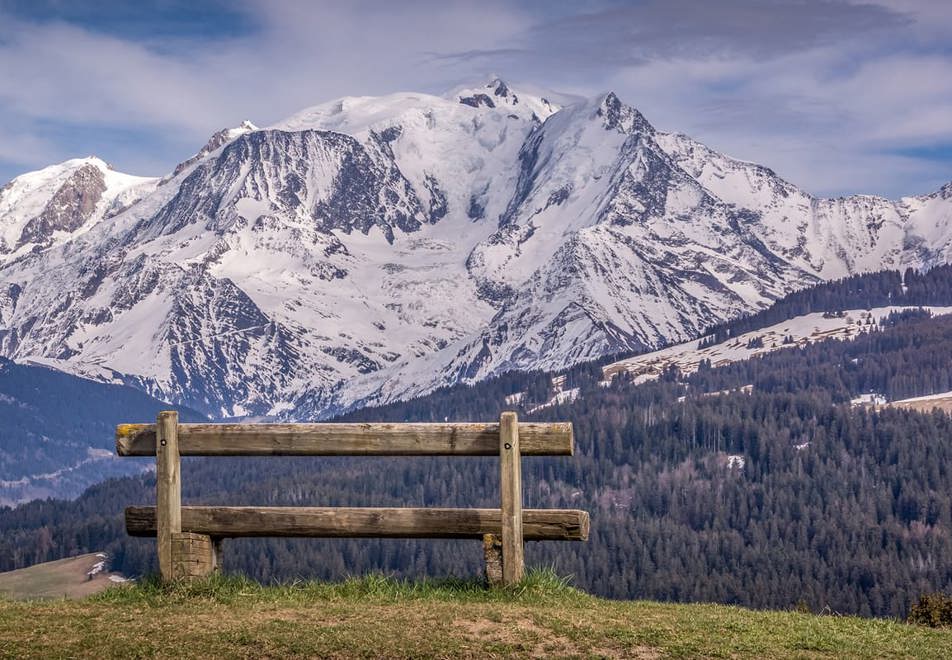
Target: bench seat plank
[357, 522]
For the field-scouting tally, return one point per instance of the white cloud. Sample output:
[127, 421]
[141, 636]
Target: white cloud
[825, 93]
[830, 119]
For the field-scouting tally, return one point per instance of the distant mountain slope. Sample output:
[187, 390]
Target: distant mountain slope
[757, 483]
[841, 309]
[799, 331]
[57, 431]
[912, 288]
[371, 249]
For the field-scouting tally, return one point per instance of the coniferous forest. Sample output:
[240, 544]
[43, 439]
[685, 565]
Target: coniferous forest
[780, 495]
[56, 430]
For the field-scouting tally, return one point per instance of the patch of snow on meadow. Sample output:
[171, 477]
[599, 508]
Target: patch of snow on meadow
[870, 399]
[793, 333]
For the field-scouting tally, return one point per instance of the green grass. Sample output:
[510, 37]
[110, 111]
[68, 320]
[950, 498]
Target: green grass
[539, 586]
[377, 616]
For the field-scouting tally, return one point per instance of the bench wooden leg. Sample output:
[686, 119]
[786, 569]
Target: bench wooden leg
[194, 555]
[510, 477]
[492, 553]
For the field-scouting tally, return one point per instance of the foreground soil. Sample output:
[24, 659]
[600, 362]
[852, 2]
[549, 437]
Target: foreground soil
[380, 617]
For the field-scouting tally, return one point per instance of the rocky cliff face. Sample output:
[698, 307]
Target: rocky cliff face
[69, 208]
[374, 248]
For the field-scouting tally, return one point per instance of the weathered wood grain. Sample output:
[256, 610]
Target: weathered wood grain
[193, 555]
[450, 439]
[510, 482]
[344, 522]
[168, 495]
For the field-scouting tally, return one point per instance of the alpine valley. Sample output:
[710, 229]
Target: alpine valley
[372, 249]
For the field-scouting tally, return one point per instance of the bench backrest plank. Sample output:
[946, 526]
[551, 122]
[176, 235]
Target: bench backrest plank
[377, 439]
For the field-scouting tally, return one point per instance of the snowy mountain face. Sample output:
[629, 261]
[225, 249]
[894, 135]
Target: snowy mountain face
[374, 248]
[52, 206]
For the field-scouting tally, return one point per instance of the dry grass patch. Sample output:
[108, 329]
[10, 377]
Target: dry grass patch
[74, 577]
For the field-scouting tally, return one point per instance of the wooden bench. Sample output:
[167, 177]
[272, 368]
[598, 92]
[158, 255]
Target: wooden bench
[189, 537]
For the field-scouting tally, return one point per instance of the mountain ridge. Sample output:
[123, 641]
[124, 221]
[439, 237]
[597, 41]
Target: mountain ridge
[372, 248]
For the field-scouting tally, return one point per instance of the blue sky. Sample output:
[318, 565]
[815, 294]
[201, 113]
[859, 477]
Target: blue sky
[838, 97]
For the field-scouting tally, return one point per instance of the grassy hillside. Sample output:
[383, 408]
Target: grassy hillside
[375, 617]
[73, 577]
[941, 402]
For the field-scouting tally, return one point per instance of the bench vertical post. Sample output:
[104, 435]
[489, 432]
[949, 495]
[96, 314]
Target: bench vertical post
[510, 473]
[168, 490]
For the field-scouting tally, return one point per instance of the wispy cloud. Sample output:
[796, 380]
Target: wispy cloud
[837, 96]
[727, 28]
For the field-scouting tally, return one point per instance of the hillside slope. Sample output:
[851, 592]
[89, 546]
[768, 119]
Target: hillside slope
[73, 577]
[687, 358]
[56, 431]
[377, 617]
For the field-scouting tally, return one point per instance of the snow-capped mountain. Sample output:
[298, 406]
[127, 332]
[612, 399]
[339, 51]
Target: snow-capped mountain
[51, 206]
[377, 247]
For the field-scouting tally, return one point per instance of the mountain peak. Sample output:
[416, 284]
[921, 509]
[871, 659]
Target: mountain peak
[59, 171]
[621, 117]
[46, 207]
[499, 87]
[497, 93]
[216, 141]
